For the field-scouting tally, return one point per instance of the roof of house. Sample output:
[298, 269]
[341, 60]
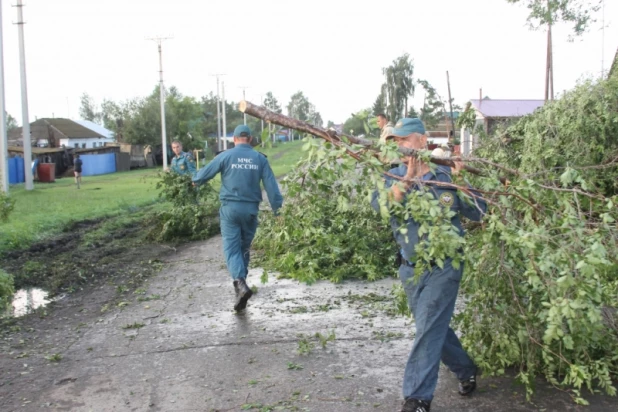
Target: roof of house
[72, 129]
[96, 127]
[506, 108]
[36, 150]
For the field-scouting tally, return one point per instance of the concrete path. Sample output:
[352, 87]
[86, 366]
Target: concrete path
[178, 346]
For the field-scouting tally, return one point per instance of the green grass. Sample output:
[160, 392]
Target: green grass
[283, 156]
[49, 208]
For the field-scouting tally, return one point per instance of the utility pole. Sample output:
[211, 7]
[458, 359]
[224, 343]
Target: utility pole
[549, 71]
[4, 164]
[603, 43]
[159, 41]
[244, 116]
[262, 103]
[219, 141]
[224, 124]
[27, 140]
[450, 105]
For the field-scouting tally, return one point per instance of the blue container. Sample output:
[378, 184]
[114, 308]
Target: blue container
[16, 170]
[13, 171]
[98, 164]
[21, 172]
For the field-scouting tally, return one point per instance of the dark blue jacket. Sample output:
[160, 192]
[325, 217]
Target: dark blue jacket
[448, 198]
[183, 164]
[242, 169]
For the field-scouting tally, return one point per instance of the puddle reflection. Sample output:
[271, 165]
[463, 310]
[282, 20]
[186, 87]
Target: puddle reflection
[27, 300]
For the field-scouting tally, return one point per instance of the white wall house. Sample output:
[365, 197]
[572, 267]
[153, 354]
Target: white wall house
[490, 113]
[85, 142]
[58, 132]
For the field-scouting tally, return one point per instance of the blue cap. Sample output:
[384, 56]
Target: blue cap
[242, 131]
[406, 126]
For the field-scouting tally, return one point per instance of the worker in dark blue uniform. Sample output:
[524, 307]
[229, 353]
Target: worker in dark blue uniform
[431, 297]
[242, 169]
[183, 162]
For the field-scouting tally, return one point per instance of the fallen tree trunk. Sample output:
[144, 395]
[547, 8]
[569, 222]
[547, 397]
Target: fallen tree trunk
[332, 136]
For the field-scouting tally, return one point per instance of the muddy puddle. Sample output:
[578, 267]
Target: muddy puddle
[27, 300]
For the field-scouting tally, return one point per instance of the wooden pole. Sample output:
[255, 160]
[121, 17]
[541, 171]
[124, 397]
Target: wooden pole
[549, 70]
[450, 104]
[551, 64]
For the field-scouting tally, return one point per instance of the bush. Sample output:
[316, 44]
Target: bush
[6, 206]
[326, 229]
[542, 277]
[194, 211]
[7, 290]
[541, 273]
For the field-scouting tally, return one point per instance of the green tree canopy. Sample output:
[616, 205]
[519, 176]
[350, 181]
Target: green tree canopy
[11, 123]
[272, 103]
[299, 106]
[579, 13]
[88, 109]
[399, 86]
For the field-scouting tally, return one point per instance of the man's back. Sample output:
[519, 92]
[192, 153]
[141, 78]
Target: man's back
[242, 169]
[241, 172]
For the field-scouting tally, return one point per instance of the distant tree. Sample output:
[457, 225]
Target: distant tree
[11, 123]
[399, 85]
[314, 117]
[412, 112]
[433, 106]
[379, 105]
[272, 103]
[546, 13]
[299, 107]
[361, 122]
[577, 12]
[88, 109]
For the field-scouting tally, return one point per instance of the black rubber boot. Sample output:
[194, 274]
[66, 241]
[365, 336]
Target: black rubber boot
[467, 386]
[415, 405]
[243, 293]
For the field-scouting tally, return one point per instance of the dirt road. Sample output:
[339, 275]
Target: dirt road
[174, 344]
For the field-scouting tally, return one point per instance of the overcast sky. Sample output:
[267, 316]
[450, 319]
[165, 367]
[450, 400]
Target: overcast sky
[333, 51]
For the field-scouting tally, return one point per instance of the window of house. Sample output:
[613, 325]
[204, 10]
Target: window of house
[83, 145]
[77, 145]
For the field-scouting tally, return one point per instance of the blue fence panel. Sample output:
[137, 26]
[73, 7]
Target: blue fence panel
[98, 164]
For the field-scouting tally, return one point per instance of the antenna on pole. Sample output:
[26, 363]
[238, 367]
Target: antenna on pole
[159, 41]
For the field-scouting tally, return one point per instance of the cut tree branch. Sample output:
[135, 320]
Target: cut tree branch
[332, 136]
